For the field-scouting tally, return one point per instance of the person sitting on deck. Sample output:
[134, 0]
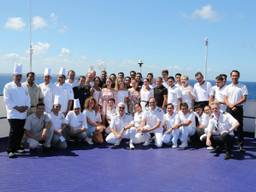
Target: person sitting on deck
[77, 123]
[120, 128]
[38, 129]
[223, 124]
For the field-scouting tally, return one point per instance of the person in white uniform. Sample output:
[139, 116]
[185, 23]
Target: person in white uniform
[223, 124]
[152, 122]
[71, 79]
[120, 128]
[202, 90]
[64, 91]
[185, 121]
[77, 123]
[38, 129]
[47, 89]
[58, 125]
[217, 93]
[17, 103]
[174, 94]
[171, 133]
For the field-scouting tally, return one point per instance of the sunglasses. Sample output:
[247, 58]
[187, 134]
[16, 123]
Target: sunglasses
[121, 107]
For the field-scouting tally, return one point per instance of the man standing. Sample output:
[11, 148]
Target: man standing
[202, 90]
[174, 94]
[64, 91]
[17, 102]
[165, 75]
[47, 89]
[71, 78]
[160, 93]
[235, 96]
[34, 91]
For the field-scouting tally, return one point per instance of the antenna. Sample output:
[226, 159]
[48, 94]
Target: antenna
[30, 36]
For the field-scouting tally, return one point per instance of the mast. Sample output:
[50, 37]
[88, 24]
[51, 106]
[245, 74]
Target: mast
[206, 57]
[30, 36]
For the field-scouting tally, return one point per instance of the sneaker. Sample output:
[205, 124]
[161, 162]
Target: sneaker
[146, 143]
[184, 145]
[174, 146]
[20, 151]
[11, 155]
[131, 146]
[89, 141]
[209, 148]
[202, 137]
[227, 156]
[117, 143]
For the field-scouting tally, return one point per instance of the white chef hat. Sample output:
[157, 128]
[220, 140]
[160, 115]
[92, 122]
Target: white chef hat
[56, 100]
[62, 71]
[47, 71]
[17, 70]
[76, 104]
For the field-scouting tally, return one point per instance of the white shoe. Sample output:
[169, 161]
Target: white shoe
[202, 137]
[146, 143]
[131, 146]
[174, 146]
[117, 143]
[89, 141]
[183, 145]
[11, 155]
[209, 148]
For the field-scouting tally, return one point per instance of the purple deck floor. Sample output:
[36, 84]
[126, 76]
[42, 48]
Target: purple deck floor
[121, 170]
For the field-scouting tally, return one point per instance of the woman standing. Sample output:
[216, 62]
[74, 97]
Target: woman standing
[134, 95]
[96, 90]
[145, 93]
[122, 94]
[187, 95]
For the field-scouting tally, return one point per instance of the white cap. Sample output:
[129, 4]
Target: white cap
[47, 71]
[62, 71]
[56, 100]
[17, 70]
[121, 104]
[76, 104]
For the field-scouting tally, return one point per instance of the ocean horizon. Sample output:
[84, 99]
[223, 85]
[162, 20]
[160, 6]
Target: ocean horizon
[5, 78]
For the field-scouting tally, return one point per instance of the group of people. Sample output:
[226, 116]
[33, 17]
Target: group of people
[109, 108]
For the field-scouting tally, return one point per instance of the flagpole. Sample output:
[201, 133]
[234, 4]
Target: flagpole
[206, 57]
[30, 36]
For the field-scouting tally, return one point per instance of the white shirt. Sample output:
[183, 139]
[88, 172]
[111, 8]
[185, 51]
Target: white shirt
[65, 92]
[219, 95]
[152, 117]
[222, 124]
[56, 120]
[137, 119]
[92, 115]
[110, 114]
[203, 119]
[186, 95]
[120, 96]
[235, 92]
[182, 118]
[202, 92]
[48, 93]
[174, 94]
[76, 121]
[15, 96]
[73, 84]
[118, 123]
[169, 120]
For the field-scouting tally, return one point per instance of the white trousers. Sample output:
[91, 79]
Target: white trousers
[128, 134]
[173, 136]
[186, 132]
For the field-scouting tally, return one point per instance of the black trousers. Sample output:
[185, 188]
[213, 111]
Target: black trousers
[238, 115]
[224, 139]
[16, 134]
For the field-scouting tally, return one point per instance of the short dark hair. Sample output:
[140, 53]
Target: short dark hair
[151, 74]
[184, 105]
[170, 104]
[199, 73]
[112, 99]
[224, 76]
[219, 77]
[30, 73]
[171, 77]
[165, 71]
[235, 71]
[40, 104]
[177, 74]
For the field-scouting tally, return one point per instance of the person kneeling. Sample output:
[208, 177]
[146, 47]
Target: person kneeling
[120, 128]
[38, 129]
[223, 124]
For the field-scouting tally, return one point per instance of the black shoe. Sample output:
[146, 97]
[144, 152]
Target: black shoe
[227, 156]
[47, 149]
[33, 151]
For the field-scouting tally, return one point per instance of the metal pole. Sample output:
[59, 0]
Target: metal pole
[140, 64]
[30, 36]
[206, 58]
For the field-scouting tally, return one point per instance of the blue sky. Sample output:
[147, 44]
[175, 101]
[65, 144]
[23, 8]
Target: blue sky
[115, 34]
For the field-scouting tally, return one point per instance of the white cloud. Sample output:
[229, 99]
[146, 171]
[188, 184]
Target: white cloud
[64, 52]
[57, 24]
[15, 23]
[38, 23]
[205, 13]
[40, 48]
